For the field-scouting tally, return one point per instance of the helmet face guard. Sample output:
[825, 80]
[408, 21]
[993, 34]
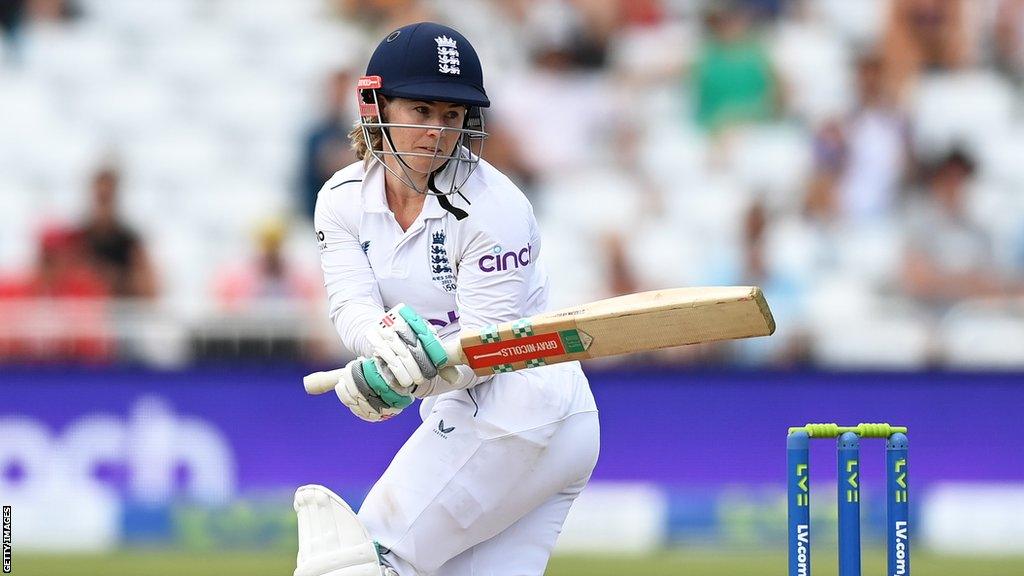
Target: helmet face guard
[448, 171]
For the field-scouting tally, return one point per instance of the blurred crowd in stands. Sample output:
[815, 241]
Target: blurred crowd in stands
[861, 160]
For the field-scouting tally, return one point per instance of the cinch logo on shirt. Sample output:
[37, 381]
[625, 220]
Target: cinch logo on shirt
[500, 261]
[453, 316]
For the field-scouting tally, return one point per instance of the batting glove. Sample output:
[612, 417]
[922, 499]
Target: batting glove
[370, 390]
[409, 348]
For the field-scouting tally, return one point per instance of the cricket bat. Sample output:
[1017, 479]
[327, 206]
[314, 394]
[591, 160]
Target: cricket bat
[625, 324]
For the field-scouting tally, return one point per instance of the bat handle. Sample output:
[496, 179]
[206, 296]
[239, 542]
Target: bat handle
[321, 382]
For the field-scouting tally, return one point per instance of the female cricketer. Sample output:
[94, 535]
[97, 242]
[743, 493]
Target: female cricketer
[420, 239]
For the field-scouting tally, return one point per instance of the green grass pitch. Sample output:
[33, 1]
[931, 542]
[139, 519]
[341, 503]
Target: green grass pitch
[691, 563]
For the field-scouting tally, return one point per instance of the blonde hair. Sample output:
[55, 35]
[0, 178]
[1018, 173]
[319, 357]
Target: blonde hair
[357, 139]
[357, 136]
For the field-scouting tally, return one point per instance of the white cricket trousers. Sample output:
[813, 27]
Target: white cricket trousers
[465, 497]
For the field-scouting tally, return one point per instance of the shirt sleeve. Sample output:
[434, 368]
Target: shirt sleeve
[495, 273]
[354, 298]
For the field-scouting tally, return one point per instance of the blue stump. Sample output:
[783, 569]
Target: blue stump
[898, 507]
[849, 504]
[799, 484]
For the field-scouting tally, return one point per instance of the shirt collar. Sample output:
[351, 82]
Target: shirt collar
[432, 208]
[373, 189]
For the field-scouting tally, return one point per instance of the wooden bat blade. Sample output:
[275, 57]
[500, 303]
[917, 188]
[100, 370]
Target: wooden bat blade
[633, 323]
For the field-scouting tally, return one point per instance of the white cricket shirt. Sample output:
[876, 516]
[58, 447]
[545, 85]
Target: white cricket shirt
[484, 269]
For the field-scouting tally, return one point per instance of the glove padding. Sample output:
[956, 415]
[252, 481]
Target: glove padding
[370, 390]
[409, 348]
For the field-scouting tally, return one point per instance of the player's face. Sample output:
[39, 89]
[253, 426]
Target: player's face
[431, 139]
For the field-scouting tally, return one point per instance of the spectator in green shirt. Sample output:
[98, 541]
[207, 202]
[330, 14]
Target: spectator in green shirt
[733, 78]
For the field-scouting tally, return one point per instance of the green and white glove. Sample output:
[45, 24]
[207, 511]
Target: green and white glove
[369, 390]
[407, 355]
[410, 349]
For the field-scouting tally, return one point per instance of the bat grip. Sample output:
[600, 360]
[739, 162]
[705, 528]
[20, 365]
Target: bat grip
[321, 382]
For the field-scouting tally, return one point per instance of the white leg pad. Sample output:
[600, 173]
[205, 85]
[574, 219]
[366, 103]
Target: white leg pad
[332, 541]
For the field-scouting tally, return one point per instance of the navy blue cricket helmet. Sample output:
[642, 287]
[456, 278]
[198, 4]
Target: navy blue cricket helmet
[428, 61]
